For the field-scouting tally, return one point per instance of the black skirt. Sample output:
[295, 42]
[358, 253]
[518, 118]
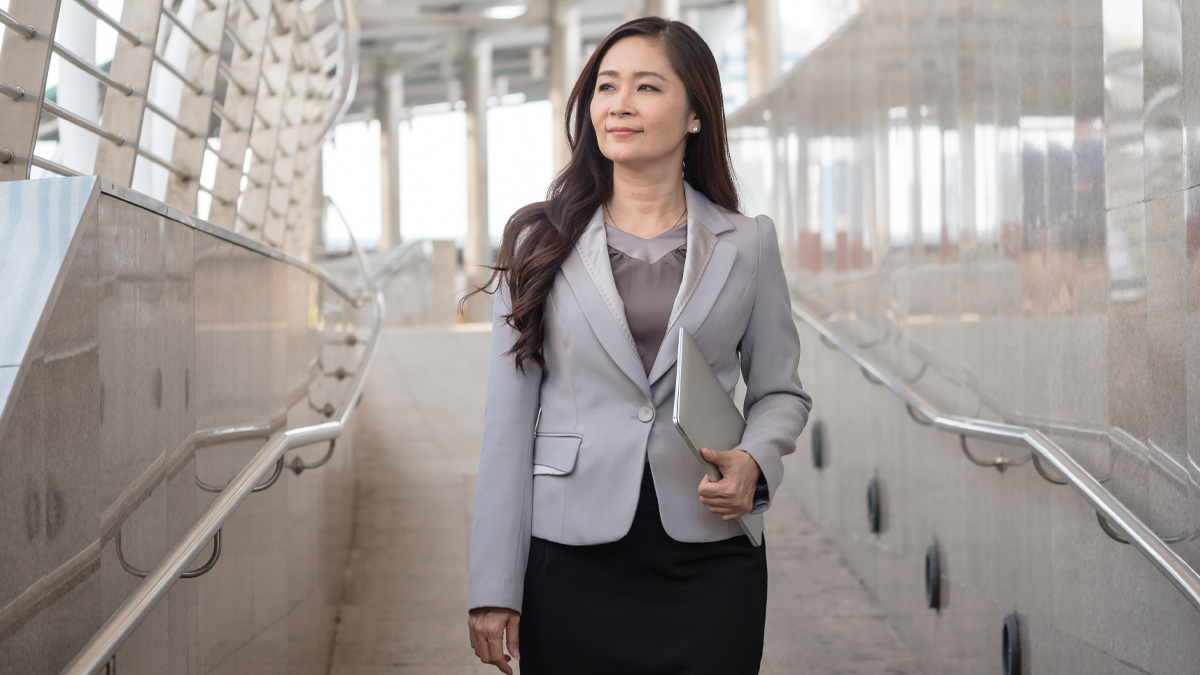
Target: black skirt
[645, 604]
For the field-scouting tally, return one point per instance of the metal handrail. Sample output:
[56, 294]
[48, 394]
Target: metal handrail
[223, 71]
[121, 624]
[33, 599]
[171, 119]
[220, 111]
[20, 27]
[91, 69]
[1119, 517]
[82, 122]
[12, 91]
[1157, 457]
[49, 165]
[237, 40]
[164, 163]
[245, 4]
[134, 39]
[186, 30]
[396, 260]
[349, 44]
[174, 70]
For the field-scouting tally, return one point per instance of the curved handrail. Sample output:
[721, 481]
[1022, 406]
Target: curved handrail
[349, 42]
[397, 260]
[1118, 516]
[121, 624]
[1157, 458]
[192, 574]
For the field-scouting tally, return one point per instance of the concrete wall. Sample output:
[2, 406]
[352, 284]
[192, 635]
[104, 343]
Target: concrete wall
[158, 331]
[998, 201]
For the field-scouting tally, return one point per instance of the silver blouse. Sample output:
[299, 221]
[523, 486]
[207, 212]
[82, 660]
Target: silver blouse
[647, 273]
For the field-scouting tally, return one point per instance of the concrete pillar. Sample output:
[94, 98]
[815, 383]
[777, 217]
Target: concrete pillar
[565, 48]
[537, 63]
[762, 44]
[443, 270]
[664, 8]
[390, 100]
[478, 250]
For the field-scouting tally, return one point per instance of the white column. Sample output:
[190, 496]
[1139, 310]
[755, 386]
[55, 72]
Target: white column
[78, 91]
[783, 193]
[390, 100]
[664, 8]
[565, 64]
[762, 44]
[478, 250]
[314, 234]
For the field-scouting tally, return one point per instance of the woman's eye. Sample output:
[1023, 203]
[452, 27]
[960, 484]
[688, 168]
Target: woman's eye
[652, 87]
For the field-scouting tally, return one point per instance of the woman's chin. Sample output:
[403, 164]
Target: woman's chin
[633, 160]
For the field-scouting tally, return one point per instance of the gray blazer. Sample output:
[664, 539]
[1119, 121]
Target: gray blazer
[563, 447]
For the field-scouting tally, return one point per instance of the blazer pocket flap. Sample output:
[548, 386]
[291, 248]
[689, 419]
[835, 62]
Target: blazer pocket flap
[556, 451]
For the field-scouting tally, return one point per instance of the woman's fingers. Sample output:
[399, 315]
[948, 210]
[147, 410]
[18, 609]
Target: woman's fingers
[514, 646]
[719, 493]
[479, 641]
[732, 496]
[720, 499]
[487, 637]
[496, 655]
[475, 644]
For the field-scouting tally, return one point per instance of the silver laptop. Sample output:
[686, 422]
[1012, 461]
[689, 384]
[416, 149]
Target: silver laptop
[707, 417]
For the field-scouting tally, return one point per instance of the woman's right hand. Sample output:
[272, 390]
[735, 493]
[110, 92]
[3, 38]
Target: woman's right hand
[487, 627]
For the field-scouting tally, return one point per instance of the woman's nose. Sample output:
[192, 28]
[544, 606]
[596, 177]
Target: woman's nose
[621, 103]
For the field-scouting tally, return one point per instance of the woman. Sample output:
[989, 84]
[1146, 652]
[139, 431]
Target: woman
[599, 544]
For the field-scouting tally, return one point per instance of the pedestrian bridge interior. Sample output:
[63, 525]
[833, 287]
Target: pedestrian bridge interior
[228, 449]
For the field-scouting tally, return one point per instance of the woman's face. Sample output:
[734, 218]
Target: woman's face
[640, 107]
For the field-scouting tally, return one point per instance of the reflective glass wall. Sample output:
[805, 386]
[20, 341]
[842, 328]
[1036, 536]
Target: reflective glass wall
[998, 203]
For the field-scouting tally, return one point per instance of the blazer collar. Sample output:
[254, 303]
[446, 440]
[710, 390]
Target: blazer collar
[705, 268]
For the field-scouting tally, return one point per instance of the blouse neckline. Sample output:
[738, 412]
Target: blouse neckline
[648, 250]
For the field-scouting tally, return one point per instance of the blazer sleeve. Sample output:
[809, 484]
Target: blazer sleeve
[504, 492]
[776, 406]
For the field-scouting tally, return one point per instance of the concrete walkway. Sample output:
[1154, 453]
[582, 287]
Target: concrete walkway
[417, 450]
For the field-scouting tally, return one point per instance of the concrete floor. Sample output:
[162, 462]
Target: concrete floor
[417, 444]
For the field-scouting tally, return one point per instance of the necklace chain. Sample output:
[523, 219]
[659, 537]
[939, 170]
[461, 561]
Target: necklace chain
[614, 222]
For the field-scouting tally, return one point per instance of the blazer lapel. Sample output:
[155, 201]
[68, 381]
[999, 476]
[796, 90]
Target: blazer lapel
[591, 279]
[705, 269]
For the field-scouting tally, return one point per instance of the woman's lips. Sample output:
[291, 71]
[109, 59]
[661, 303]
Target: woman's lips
[622, 133]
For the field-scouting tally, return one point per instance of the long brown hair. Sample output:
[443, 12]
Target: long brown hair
[555, 225]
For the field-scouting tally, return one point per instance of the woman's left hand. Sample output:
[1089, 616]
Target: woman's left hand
[733, 495]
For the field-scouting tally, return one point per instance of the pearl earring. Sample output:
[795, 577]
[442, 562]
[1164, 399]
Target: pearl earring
[695, 128]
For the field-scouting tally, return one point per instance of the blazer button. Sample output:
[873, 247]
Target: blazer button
[645, 413]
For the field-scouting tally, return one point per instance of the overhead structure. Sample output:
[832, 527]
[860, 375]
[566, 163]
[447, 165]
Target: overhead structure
[538, 46]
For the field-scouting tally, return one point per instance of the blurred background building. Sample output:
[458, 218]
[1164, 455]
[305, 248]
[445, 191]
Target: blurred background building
[220, 454]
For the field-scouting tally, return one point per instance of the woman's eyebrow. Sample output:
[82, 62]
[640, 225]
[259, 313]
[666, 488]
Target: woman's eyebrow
[639, 73]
